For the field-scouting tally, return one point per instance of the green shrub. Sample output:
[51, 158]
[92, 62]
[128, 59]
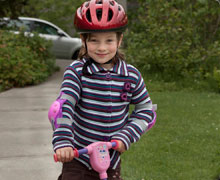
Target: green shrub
[216, 76]
[176, 39]
[24, 60]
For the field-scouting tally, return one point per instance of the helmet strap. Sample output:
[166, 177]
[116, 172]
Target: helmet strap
[109, 62]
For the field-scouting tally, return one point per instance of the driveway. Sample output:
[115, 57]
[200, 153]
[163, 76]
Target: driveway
[25, 144]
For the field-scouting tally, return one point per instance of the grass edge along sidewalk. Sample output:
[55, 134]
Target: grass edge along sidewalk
[184, 143]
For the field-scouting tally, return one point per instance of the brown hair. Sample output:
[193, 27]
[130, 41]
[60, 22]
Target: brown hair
[83, 51]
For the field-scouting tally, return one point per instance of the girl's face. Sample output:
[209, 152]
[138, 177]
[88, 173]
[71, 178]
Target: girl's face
[102, 47]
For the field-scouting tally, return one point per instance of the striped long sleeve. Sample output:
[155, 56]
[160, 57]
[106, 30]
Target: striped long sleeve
[70, 90]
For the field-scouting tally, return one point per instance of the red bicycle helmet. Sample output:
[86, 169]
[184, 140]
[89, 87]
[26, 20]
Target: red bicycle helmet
[100, 16]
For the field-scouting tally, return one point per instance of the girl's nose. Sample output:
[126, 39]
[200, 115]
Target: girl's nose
[101, 47]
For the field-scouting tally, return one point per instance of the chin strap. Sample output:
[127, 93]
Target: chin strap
[108, 62]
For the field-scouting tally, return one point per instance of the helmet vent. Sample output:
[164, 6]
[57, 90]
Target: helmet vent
[110, 15]
[112, 3]
[99, 2]
[87, 5]
[99, 14]
[88, 15]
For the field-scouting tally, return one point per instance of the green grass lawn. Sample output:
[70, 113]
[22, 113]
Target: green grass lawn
[184, 144]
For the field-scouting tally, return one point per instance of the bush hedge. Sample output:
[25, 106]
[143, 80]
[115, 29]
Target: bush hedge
[176, 40]
[24, 60]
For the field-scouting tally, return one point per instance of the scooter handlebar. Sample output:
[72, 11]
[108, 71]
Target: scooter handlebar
[77, 153]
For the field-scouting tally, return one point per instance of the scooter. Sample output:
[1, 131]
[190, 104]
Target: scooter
[99, 156]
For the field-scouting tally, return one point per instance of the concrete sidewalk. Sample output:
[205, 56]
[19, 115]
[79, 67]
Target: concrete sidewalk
[25, 144]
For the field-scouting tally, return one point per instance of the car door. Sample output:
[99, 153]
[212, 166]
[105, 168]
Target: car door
[61, 45]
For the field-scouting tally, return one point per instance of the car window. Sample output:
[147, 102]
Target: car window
[17, 25]
[43, 28]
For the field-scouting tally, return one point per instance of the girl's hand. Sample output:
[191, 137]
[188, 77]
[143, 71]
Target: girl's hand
[121, 147]
[65, 154]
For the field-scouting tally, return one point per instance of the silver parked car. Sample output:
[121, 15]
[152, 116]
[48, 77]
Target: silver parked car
[64, 46]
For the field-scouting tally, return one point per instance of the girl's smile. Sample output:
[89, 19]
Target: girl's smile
[101, 55]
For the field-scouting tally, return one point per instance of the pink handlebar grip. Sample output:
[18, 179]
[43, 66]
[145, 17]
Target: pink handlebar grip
[115, 144]
[55, 157]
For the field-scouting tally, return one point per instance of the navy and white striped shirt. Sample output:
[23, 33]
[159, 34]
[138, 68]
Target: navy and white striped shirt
[97, 107]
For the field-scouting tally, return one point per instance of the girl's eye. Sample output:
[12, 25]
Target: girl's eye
[93, 40]
[109, 40]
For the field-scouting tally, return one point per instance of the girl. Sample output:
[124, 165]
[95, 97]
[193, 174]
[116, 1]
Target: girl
[96, 93]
